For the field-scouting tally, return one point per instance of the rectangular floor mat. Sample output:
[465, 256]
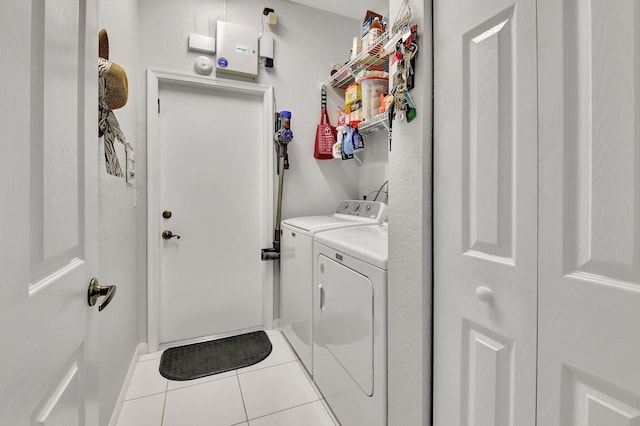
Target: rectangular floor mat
[215, 356]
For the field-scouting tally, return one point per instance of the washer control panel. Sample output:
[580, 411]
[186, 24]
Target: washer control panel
[367, 209]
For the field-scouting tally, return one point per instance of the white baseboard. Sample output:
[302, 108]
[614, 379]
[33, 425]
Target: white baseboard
[115, 416]
[276, 324]
[163, 346]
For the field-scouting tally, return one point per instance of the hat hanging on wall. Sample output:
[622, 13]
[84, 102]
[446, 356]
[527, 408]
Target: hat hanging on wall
[113, 91]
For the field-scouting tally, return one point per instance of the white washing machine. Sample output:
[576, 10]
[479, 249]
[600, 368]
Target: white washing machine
[296, 267]
[350, 323]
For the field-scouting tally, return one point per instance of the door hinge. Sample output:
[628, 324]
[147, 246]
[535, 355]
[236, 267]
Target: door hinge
[158, 105]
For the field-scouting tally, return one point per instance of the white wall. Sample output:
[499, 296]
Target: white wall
[307, 43]
[375, 168]
[118, 235]
[353, 8]
[410, 269]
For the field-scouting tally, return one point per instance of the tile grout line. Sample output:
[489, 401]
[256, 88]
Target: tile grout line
[304, 370]
[287, 409]
[200, 383]
[144, 396]
[321, 397]
[164, 402]
[310, 380]
[318, 398]
[264, 368]
[164, 405]
[244, 406]
[147, 360]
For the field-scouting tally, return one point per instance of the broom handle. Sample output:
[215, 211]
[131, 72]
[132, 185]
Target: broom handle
[280, 184]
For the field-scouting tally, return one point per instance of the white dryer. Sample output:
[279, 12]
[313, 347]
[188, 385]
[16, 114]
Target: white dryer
[296, 267]
[350, 323]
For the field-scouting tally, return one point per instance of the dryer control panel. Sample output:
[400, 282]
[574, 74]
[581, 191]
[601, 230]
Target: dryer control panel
[374, 210]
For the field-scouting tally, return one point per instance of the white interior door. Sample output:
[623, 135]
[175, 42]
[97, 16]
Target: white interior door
[48, 213]
[589, 92]
[213, 158]
[485, 213]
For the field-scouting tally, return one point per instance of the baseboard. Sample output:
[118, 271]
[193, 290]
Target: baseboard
[163, 346]
[115, 416]
[276, 324]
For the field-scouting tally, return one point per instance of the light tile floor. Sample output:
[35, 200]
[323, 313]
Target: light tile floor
[273, 392]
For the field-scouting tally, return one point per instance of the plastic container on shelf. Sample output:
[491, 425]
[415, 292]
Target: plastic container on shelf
[353, 93]
[353, 103]
[372, 88]
[375, 31]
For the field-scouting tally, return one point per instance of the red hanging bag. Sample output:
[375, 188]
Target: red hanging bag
[325, 137]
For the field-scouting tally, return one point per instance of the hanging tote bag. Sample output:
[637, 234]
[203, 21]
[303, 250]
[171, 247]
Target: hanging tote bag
[325, 134]
[325, 137]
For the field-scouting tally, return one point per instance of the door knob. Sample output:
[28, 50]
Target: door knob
[96, 290]
[167, 235]
[485, 294]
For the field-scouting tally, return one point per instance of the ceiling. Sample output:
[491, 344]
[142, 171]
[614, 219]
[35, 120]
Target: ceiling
[355, 9]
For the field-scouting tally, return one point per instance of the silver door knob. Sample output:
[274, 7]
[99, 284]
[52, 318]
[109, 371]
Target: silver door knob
[96, 290]
[167, 235]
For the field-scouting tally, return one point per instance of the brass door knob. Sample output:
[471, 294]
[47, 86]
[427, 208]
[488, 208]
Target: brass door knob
[96, 290]
[167, 235]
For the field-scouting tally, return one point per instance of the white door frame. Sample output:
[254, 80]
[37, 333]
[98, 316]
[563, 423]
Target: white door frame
[154, 79]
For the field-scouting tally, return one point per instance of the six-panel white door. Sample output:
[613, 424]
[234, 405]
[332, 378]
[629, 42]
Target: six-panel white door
[485, 213]
[48, 212]
[589, 94]
[213, 173]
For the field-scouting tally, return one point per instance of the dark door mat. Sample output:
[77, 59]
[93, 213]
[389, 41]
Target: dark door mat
[215, 356]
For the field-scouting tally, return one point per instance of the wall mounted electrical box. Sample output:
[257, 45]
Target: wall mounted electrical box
[266, 49]
[202, 43]
[237, 50]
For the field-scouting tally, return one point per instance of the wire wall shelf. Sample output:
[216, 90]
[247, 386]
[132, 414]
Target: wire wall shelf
[375, 57]
[375, 123]
[349, 72]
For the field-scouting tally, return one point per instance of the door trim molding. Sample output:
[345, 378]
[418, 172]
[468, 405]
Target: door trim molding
[154, 78]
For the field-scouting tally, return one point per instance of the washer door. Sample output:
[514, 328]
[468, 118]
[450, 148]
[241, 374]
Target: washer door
[344, 325]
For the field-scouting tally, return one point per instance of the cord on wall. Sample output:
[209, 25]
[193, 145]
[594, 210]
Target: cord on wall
[262, 18]
[266, 14]
[265, 40]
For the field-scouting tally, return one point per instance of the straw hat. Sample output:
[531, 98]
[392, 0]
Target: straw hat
[113, 90]
[117, 85]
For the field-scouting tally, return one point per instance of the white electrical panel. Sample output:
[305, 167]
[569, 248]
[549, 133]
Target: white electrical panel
[237, 50]
[266, 46]
[202, 43]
